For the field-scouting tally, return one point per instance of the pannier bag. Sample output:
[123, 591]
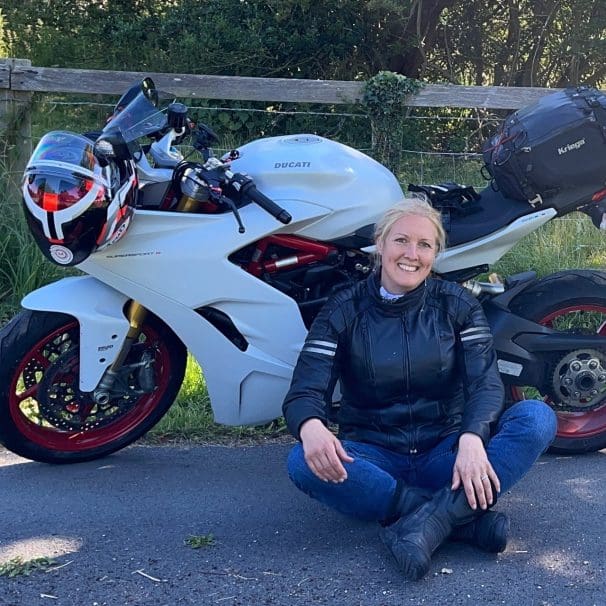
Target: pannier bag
[555, 145]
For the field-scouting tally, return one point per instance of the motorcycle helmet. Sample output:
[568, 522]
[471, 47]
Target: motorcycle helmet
[72, 204]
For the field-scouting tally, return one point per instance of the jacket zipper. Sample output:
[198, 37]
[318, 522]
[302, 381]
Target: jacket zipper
[412, 446]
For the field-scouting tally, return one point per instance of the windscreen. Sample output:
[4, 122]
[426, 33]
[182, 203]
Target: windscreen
[138, 118]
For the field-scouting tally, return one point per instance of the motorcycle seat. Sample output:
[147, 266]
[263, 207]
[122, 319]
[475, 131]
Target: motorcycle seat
[492, 212]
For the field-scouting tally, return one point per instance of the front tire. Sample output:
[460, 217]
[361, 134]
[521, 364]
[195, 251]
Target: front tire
[43, 414]
[575, 385]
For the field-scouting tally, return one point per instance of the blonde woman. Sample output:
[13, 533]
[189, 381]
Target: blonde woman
[424, 444]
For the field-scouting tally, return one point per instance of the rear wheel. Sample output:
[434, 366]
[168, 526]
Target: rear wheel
[575, 380]
[43, 414]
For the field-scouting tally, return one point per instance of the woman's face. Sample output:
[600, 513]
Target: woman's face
[407, 252]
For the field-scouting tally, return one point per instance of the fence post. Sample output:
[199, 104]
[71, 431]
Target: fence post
[15, 118]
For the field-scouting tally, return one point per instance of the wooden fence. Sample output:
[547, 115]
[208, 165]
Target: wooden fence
[19, 80]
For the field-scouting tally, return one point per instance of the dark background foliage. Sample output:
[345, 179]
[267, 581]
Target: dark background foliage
[499, 42]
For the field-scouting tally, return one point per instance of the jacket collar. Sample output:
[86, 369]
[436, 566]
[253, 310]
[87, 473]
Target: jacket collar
[411, 300]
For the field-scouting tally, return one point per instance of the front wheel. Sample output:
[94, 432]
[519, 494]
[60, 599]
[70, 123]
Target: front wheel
[575, 381]
[43, 414]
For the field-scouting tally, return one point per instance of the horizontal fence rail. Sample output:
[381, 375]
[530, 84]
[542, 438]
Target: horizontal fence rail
[19, 77]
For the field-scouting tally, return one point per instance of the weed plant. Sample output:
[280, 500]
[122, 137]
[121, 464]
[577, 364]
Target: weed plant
[17, 566]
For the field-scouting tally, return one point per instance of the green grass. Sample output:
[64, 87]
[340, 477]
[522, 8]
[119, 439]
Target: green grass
[198, 541]
[425, 169]
[191, 418]
[566, 243]
[19, 567]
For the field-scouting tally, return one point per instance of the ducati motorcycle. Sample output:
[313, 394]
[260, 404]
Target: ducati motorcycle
[230, 259]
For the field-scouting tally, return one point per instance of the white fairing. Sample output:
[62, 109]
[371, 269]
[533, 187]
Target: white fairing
[175, 263]
[98, 309]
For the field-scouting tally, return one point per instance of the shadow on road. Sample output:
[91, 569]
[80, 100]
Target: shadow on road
[120, 524]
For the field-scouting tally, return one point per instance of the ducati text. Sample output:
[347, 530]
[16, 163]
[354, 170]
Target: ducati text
[292, 164]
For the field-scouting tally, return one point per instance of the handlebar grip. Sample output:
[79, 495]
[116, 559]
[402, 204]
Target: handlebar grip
[268, 205]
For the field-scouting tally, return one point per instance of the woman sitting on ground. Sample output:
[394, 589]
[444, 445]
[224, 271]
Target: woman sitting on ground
[424, 444]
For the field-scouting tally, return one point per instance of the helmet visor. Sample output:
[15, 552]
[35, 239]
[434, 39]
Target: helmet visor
[53, 192]
[67, 148]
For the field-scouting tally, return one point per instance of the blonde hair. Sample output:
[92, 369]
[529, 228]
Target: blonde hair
[411, 207]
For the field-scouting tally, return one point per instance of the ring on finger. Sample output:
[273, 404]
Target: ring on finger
[484, 477]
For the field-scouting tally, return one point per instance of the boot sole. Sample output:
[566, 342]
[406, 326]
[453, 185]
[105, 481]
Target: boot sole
[412, 561]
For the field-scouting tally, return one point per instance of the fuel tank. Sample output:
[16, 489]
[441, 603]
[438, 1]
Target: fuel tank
[354, 189]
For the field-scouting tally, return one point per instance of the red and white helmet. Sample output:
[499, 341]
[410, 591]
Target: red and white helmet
[73, 205]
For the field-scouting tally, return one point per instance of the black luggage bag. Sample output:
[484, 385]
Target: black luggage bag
[553, 151]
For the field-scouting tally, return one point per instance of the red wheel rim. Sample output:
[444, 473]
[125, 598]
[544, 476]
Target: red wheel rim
[28, 374]
[575, 424]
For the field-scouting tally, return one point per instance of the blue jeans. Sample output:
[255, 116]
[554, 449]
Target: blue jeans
[523, 432]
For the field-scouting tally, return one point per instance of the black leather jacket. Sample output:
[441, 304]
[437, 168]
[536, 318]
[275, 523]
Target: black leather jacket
[412, 371]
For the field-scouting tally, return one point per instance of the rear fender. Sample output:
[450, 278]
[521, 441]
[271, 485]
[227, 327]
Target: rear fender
[99, 310]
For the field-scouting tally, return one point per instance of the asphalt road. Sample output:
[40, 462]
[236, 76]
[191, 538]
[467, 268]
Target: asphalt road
[111, 522]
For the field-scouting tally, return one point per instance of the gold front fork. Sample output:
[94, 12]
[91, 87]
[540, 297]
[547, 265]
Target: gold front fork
[188, 205]
[136, 316]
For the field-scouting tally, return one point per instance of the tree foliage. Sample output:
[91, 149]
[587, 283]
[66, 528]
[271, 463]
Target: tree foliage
[522, 43]
[3, 36]
[500, 42]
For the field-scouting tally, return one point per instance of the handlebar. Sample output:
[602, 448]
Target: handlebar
[268, 205]
[245, 186]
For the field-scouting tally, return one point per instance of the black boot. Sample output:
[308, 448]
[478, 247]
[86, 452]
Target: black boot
[413, 539]
[406, 499]
[489, 532]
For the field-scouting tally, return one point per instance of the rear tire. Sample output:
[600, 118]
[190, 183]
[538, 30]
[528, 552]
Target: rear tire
[40, 351]
[571, 301]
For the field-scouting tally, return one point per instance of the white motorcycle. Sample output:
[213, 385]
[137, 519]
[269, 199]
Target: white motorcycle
[190, 256]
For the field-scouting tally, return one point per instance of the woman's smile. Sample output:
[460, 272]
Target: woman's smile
[407, 253]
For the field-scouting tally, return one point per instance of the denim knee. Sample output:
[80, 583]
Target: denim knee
[538, 420]
[298, 470]
[366, 494]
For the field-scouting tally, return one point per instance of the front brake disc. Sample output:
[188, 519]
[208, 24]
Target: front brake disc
[63, 405]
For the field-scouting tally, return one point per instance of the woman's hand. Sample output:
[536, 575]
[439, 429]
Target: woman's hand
[323, 451]
[473, 471]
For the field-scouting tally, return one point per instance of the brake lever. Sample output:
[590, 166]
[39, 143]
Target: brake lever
[234, 209]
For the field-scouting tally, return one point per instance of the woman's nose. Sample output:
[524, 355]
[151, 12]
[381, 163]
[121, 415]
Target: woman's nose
[411, 250]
